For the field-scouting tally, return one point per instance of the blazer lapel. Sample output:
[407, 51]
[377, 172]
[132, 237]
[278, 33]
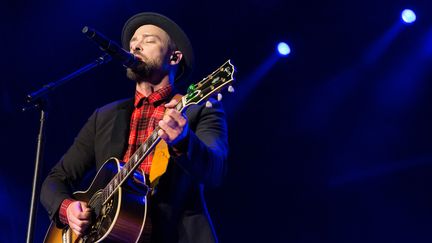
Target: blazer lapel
[120, 131]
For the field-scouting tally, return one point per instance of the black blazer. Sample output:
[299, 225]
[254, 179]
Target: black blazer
[179, 212]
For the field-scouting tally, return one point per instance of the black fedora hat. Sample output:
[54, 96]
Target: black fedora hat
[176, 34]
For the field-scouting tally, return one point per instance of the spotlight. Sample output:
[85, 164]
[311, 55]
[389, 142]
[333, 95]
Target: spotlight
[283, 49]
[408, 16]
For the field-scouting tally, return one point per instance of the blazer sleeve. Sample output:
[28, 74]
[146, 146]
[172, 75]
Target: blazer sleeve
[66, 175]
[206, 145]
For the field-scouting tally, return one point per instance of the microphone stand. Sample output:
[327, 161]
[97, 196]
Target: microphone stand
[37, 100]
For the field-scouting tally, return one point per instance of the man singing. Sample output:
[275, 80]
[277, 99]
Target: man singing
[196, 139]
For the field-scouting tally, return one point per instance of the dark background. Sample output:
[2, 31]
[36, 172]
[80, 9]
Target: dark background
[331, 144]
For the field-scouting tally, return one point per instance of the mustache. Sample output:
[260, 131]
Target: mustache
[141, 67]
[140, 60]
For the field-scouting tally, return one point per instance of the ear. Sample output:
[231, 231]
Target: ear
[176, 57]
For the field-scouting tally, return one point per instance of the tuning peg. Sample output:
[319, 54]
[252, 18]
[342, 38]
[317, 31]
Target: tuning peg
[219, 97]
[209, 104]
[231, 89]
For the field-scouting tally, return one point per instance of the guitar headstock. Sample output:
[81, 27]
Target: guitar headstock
[211, 85]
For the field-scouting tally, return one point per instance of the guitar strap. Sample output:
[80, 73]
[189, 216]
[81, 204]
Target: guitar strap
[159, 163]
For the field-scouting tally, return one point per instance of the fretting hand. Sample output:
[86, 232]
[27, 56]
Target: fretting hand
[174, 125]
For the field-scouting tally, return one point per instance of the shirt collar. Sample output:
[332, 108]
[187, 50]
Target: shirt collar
[159, 95]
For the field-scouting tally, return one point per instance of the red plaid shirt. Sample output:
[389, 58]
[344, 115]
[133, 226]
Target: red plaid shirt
[145, 117]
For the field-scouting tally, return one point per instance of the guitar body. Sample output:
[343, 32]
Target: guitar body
[120, 218]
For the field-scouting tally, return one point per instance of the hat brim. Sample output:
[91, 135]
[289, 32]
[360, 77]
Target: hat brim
[174, 31]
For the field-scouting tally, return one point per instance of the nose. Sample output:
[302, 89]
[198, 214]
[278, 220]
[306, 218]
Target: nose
[135, 47]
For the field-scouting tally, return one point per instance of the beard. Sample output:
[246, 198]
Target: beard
[148, 70]
[143, 71]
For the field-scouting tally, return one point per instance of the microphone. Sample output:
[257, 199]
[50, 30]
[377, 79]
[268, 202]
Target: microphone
[112, 48]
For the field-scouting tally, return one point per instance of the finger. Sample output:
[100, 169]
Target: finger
[87, 210]
[80, 227]
[166, 132]
[77, 230]
[163, 135]
[170, 121]
[174, 113]
[80, 224]
[171, 104]
[170, 131]
[73, 222]
[84, 215]
[175, 119]
[180, 119]
[76, 216]
[76, 220]
[84, 206]
[177, 116]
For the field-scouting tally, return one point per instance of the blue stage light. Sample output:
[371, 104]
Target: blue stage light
[283, 49]
[408, 16]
